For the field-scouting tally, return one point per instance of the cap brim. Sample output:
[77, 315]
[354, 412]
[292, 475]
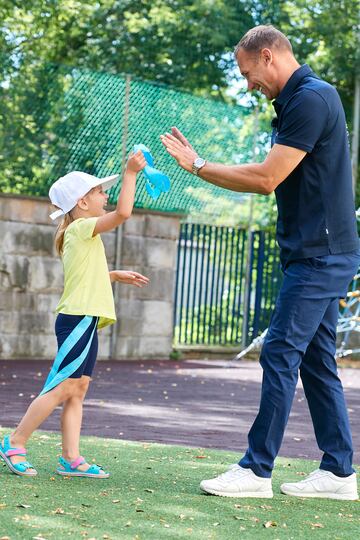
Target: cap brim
[109, 181]
[56, 214]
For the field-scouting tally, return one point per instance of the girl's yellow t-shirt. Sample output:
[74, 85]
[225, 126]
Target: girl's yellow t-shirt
[87, 288]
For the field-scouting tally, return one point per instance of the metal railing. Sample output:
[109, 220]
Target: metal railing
[212, 285]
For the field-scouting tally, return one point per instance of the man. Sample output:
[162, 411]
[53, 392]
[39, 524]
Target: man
[309, 169]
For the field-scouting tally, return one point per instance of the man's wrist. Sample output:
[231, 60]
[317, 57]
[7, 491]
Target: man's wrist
[197, 165]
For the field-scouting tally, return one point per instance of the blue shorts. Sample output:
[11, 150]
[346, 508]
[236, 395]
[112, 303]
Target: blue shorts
[77, 349]
[64, 325]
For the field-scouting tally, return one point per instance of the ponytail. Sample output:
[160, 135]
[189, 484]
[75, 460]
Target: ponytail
[60, 232]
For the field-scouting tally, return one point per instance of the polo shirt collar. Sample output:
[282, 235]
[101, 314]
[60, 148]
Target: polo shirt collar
[292, 83]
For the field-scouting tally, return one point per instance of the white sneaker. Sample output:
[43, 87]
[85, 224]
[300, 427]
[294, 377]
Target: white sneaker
[238, 482]
[323, 484]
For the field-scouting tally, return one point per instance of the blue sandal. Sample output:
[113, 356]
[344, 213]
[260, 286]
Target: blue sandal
[71, 469]
[22, 468]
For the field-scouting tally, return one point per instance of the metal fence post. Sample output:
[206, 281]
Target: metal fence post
[118, 232]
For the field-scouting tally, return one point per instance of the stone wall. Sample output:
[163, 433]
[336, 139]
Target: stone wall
[31, 280]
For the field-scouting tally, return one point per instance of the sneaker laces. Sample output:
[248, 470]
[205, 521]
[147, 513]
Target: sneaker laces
[313, 475]
[232, 472]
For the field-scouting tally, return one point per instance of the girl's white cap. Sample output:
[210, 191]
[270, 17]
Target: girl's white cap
[67, 190]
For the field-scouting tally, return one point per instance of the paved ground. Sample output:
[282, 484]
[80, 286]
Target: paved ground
[208, 404]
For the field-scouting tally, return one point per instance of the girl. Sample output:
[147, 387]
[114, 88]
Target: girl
[86, 305]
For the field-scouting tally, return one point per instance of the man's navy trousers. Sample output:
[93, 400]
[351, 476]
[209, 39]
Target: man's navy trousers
[302, 336]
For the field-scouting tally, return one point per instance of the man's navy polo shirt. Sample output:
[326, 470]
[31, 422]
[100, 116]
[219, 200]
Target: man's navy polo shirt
[316, 211]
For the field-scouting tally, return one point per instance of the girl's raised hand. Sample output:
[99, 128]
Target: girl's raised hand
[129, 277]
[136, 162]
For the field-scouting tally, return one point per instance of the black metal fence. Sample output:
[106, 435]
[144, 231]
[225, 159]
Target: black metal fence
[226, 284]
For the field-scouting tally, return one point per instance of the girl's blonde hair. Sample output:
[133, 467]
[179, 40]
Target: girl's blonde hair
[60, 232]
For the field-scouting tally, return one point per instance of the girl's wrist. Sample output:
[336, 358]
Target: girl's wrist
[130, 173]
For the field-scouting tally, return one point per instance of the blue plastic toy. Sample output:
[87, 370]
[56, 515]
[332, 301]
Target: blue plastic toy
[156, 181]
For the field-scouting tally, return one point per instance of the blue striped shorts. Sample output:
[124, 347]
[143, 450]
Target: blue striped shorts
[77, 349]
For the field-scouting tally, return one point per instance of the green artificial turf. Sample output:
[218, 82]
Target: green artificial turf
[153, 493]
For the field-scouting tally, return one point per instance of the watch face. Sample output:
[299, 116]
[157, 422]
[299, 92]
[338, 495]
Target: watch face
[199, 162]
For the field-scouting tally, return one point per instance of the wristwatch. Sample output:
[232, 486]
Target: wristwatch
[197, 165]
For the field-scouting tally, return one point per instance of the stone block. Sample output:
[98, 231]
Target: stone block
[104, 344]
[14, 272]
[42, 346]
[157, 319]
[26, 322]
[134, 226]
[45, 274]
[161, 286]
[109, 244]
[13, 347]
[47, 301]
[12, 300]
[160, 253]
[146, 347]
[133, 251]
[147, 318]
[15, 238]
[162, 226]
[25, 209]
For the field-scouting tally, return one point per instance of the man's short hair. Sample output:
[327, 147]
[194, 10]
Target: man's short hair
[262, 36]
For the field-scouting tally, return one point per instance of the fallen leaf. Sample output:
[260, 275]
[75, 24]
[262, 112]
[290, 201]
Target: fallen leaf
[269, 524]
[58, 511]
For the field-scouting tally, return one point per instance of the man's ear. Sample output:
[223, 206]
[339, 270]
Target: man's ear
[266, 56]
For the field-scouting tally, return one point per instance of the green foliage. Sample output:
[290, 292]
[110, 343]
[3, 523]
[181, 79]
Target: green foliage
[175, 42]
[176, 355]
[325, 34]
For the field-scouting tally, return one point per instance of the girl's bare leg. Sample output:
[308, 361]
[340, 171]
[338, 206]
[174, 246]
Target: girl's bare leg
[71, 419]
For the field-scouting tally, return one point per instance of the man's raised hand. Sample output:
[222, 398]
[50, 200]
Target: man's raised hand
[180, 149]
[177, 133]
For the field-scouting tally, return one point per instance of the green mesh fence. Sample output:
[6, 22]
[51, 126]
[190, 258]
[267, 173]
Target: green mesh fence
[90, 121]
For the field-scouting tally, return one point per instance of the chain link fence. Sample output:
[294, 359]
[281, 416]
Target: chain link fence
[72, 119]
